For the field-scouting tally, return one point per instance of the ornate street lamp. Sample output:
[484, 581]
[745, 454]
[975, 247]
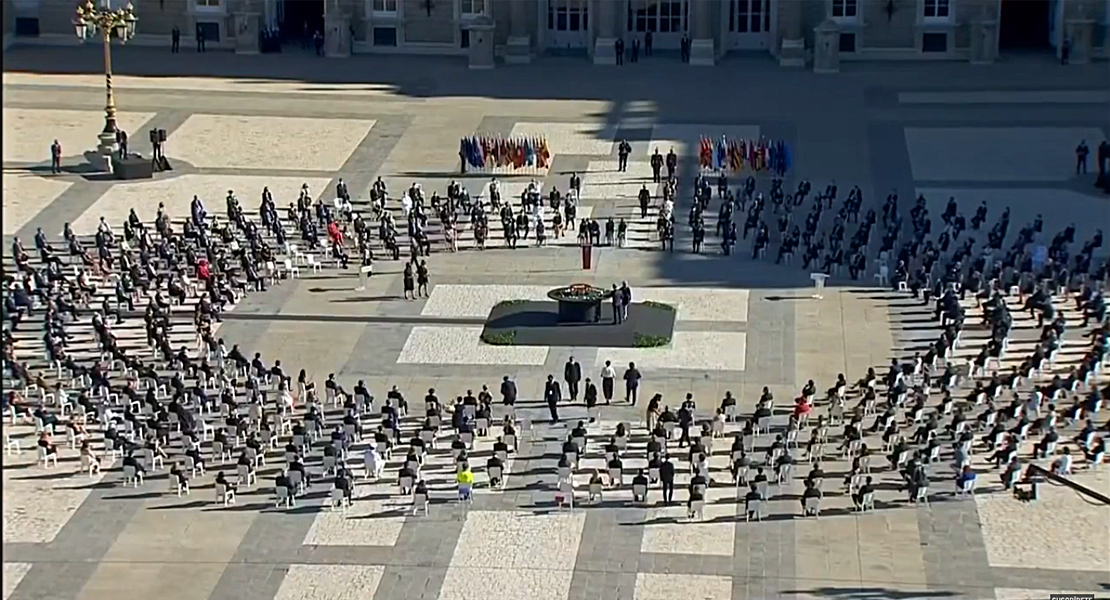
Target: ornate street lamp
[109, 24]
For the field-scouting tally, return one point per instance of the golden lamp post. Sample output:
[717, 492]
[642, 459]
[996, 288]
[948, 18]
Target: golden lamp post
[110, 24]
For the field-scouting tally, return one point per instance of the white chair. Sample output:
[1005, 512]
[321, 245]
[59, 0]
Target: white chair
[406, 483]
[565, 495]
[131, 476]
[194, 468]
[922, 495]
[616, 477]
[564, 473]
[296, 481]
[90, 465]
[419, 501]
[283, 497]
[697, 510]
[182, 487]
[151, 460]
[220, 452]
[45, 458]
[467, 438]
[339, 499]
[329, 464]
[813, 507]
[510, 441]
[496, 474]
[247, 476]
[639, 493]
[763, 425]
[867, 503]
[595, 492]
[11, 446]
[966, 488]
[754, 508]
[291, 269]
[310, 262]
[224, 495]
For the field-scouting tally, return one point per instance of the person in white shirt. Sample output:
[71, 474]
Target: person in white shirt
[373, 463]
[406, 205]
[608, 378]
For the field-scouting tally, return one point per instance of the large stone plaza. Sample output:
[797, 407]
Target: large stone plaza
[740, 325]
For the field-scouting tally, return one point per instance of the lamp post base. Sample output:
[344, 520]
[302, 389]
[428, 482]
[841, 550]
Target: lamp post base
[105, 148]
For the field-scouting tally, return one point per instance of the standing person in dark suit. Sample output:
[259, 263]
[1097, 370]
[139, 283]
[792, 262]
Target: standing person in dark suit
[200, 38]
[647, 44]
[175, 40]
[618, 48]
[552, 395]
[56, 157]
[666, 477]
[572, 374]
[121, 139]
[508, 391]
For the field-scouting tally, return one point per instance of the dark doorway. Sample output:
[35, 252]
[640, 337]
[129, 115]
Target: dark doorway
[1025, 25]
[302, 19]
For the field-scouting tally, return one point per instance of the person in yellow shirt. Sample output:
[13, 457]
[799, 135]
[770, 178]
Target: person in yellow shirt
[465, 480]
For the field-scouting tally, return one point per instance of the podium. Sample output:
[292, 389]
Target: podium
[132, 167]
[818, 284]
[587, 255]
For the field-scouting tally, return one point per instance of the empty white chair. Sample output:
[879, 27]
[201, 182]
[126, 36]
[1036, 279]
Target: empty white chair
[290, 269]
[565, 495]
[247, 475]
[11, 446]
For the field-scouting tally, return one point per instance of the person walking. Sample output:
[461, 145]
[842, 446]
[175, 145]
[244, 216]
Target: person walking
[175, 40]
[572, 374]
[608, 378]
[631, 383]
[552, 395]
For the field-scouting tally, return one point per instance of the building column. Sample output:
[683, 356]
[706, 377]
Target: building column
[702, 51]
[1079, 33]
[518, 49]
[337, 31]
[984, 35]
[247, 22]
[792, 52]
[605, 51]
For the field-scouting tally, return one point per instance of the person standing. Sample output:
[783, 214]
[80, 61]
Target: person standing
[572, 374]
[200, 38]
[666, 477]
[626, 300]
[618, 298]
[422, 279]
[645, 196]
[508, 391]
[672, 164]
[631, 383]
[410, 284]
[623, 150]
[1081, 152]
[647, 44]
[552, 394]
[618, 48]
[635, 50]
[656, 166]
[56, 157]
[608, 378]
[175, 40]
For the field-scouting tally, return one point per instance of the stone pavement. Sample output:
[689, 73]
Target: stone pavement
[742, 325]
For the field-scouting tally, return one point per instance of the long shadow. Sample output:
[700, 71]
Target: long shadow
[870, 593]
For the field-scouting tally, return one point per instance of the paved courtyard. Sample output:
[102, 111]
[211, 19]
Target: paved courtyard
[740, 324]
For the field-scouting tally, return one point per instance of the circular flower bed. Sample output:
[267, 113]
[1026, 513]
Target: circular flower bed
[578, 292]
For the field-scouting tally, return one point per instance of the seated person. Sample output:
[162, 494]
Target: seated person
[421, 489]
[221, 479]
[47, 445]
[811, 491]
[130, 461]
[639, 480]
[753, 495]
[282, 481]
[1062, 465]
[492, 463]
[867, 488]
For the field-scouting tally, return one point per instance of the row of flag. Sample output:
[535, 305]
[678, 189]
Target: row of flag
[490, 152]
[736, 155]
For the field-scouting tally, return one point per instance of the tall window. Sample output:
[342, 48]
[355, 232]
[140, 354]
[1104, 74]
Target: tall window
[208, 4]
[845, 9]
[472, 7]
[936, 9]
[662, 16]
[388, 7]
